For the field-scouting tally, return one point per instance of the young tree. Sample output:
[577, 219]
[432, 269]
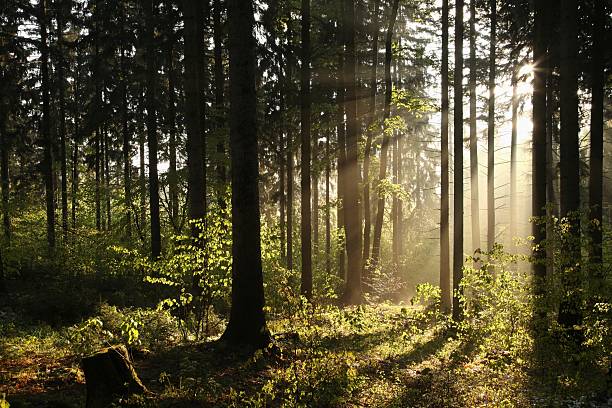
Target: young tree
[491, 130]
[247, 323]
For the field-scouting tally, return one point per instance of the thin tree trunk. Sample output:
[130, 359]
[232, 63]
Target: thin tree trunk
[513, 148]
[62, 118]
[597, 120]
[75, 148]
[327, 207]
[47, 164]
[474, 182]
[341, 147]
[193, 123]
[247, 324]
[491, 133]
[107, 185]
[370, 134]
[219, 103]
[290, 100]
[353, 292]
[173, 188]
[382, 174]
[315, 175]
[458, 164]
[305, 145]
[4, 176]
[444, 189]
[127, 157]
[151, 78]
[142, 176]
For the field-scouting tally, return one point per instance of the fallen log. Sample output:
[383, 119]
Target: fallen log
[110, 377]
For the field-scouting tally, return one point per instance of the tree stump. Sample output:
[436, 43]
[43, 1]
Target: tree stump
[110, 376]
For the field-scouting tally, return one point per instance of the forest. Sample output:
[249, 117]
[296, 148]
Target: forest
[305, 203]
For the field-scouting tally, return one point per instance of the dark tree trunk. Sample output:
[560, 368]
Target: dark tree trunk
[4, 177]
[491, 132]
[219, 102]
[305, 146]
[173, 188]
[127, 157]
[341, 147]
[352, 294]
[75, 148]
[474, 183]
[107, 188]
[569, 314]
[315, 175]
[47, 164]
[142, 176]
[289, 61]
[195, 148]
[151, 78]
[247, 324]
[444, 199]
[597, 120]
[382, 174]
[367, 227]
[458, 164]
[513, 148]
[540, 57]
[327, 207]
[62, 116]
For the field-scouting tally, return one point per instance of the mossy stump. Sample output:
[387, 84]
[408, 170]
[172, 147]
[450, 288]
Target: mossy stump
[109, 377]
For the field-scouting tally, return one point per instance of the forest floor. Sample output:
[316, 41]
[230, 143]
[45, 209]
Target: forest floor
[372, 356]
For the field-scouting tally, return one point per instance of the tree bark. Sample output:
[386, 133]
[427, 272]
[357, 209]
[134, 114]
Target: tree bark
[327, 207]
[491, 132]
[127, 157]
[474, 179]
[173, 188]
[151, 78]
[193, 123]
[305, 146]
[219, 100]
[382, 174]
[458, 164]
[352, 294]
[247, 324]
[513, 146]
[367, 227]
[5, 182]
[597, 120]
[341, 147]
[62, 116]
[444, 189]
[290, 100]
[47, 164]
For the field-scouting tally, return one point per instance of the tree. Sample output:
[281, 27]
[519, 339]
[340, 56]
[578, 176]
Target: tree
[47, 164]
[387, 132]
[444, 204]
[458, 163]
[305, 145]
[569, 314]
[474, 184]
[61, 10]
[491, 131]
[597, 107]
[247, 324]
[151, 79]
[195, 148]
[367, 226]
[352, 218]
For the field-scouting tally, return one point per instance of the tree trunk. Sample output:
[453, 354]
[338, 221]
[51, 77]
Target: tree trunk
[62, 117]
[306, 284]
[195, 148]
[597, 120]
[370, 134]
[315, 175]
[327, 207]
[491, 133]
[127, 157]
[75, 148]
[142, 176]
[219, 102]
[341, 147]
[107, 185]
[247, 324]
[382, 174]
[444, 189]
[458, 164]
[474, 182]
[513, 146]
[352, 294]
[151, 78]
[47, 164]
[290, 100]
[4, 177]
[569, 314]
[173, 188]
